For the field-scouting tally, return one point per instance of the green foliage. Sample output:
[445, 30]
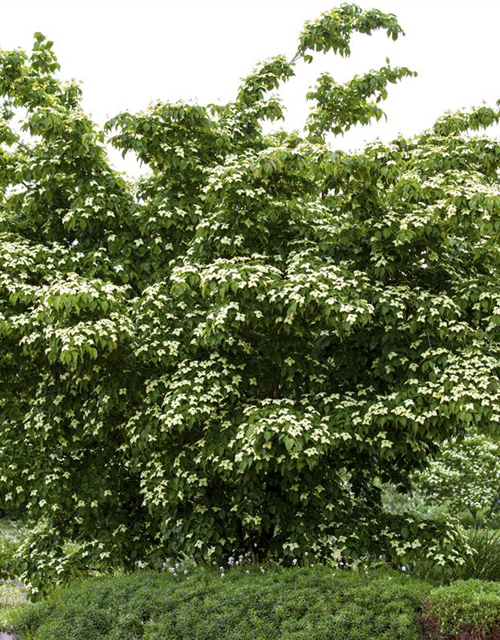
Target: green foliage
[484, 561]
[11, 536]
[290, 604]
[232, 354]
[465, 475]
[339, 107]
[8, 564]
[466, 607]
[333, 30]
[12, 591]
[481, 562]
[12, 597]
[398, 500]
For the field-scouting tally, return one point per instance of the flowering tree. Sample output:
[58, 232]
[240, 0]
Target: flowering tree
[232, 353]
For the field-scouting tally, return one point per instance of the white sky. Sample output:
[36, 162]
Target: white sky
[128, 53]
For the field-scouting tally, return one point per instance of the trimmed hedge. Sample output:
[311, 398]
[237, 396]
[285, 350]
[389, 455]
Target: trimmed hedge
[290, 604]
[280, 604]
[466, 609]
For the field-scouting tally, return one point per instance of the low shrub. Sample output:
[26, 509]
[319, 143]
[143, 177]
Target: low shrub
[242, 604]
[466, 609]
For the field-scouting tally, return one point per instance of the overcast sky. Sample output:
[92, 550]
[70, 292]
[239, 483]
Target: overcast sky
[128, 53]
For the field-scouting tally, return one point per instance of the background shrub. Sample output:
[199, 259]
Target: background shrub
[465, 477]
[482, 562]
[11, 536]
[8, 564]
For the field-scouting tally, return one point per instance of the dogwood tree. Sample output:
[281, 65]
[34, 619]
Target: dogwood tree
[231, 354]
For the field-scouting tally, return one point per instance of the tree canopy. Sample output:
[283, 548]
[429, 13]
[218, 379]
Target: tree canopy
[230, 354]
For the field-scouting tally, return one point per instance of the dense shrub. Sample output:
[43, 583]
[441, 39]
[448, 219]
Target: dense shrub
[291, 604]
[468, 609]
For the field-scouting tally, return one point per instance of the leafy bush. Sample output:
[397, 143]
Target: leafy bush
[11, 536]
[228, 355]
[468, 608]
[466, 477]
[482, 561]
[293, 604]
[8, 564]
[399, 502]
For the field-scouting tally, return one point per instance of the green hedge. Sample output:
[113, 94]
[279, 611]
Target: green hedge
[290, 604]
[280, 604]
[465, 609]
